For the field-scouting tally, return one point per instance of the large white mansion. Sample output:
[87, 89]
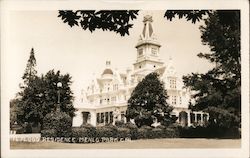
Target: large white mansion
[105, 99]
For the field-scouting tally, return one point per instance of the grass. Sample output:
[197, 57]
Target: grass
[135, 144]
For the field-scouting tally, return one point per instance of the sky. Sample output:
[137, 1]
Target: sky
[82, 53]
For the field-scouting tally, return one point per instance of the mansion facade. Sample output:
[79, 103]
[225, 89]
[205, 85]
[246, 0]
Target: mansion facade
[105, 99]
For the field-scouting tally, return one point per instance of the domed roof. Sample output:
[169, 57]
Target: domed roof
[107, 71]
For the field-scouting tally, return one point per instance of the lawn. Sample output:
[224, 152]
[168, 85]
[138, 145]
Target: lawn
[135, 144]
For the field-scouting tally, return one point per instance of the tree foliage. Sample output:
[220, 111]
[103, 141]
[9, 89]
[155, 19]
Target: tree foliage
[58, 121]
[193, 15]
[148, 102]
[112, 20]
[219, 90]
[51, 91]
[119, 21]
[30, 71]
[41, 96]
[13, 111]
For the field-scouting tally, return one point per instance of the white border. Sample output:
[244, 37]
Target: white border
[243, 5]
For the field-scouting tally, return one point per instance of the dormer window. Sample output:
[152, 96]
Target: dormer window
[140, 52]
[154, 51]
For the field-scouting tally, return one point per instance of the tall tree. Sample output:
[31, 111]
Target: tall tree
[29, 104]
[30, 75]
[30, 71]
[219, 90]
[148, 102]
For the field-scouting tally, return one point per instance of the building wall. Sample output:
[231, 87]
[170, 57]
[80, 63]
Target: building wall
[110, 91]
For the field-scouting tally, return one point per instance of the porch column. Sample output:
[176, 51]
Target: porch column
[77, 120]
[125, 120]
[189, 118]
[202, 121]
[195, 117]
[177, 115]
[93, 118]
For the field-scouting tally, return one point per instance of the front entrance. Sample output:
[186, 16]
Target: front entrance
[183, 118]
[85, 117]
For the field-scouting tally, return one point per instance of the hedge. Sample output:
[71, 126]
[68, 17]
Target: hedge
[209, 132]
[59, 121]
[144, 132]
[158, 132]
[106, 131]
[133, 130]
[123, 133]
[49, 133]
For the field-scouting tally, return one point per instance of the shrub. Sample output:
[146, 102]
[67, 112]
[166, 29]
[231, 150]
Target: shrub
[36, 128]
[106, 131]
[28, 128]
[119, 123]
[170, 133]
[87, 126]
[133, 130]
[147, 132]
[144, 132]
[209, 132]
[59, 121]
[49, 133]
[123, 133]
[157, 133]
[161, 127]
[80, 133]
[91, 130]
[19, 129]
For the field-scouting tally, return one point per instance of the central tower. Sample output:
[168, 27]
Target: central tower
[148, 49]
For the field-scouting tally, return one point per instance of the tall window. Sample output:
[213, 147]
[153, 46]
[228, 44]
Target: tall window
[111, 117]
[174, 100]
[172, 83]
[180, 100]
[98, 118]
[102, 118]
[122, 115]
[115, 87]
[106, 117]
